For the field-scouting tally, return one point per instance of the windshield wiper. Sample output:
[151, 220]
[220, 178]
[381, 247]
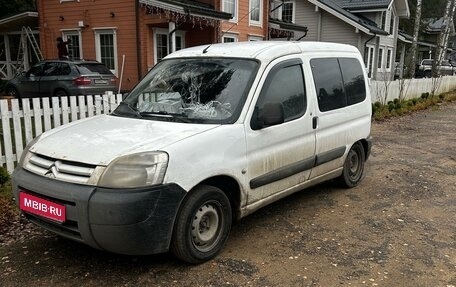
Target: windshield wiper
[130, 108]
[182, 117]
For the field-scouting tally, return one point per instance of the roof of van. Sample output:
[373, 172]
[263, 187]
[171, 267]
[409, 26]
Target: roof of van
[262, 50]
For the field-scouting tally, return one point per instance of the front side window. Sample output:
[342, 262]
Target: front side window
[196, 90]
[255, 11]
[284, 85]
[106, 48]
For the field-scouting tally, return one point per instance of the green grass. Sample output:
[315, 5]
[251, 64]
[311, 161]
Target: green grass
[398, 108]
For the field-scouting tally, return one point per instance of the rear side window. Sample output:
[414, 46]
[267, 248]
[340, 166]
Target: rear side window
[352, 74]
[285, 85]
[93, 68]
[339, 82]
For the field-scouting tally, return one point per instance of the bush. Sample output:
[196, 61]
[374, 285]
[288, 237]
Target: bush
[396, 101]
[4, 176]
[425, 95]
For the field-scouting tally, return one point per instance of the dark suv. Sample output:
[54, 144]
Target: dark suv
[62, 78]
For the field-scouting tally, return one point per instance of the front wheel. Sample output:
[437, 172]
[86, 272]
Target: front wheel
[202, 225]
[353, 169]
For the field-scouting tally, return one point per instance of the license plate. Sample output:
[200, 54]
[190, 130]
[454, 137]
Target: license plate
[41, 207]
[103, 82]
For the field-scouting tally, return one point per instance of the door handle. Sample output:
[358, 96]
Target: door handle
[314, 122]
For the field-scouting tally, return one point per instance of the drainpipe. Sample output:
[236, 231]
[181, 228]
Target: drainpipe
[138, 41]
[364, 56]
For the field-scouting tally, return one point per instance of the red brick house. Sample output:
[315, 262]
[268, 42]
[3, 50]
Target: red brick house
[145, 30]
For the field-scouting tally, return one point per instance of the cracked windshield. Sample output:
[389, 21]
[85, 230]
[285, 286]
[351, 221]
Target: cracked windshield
[206, 90]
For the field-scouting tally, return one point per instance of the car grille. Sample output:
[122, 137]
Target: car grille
[62, 170]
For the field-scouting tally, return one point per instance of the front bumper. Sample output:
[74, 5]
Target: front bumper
[135, 221]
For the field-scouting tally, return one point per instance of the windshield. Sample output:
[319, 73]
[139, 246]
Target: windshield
[204, 90]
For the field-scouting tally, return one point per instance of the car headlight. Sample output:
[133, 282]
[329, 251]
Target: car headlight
[135, 170]
[25, 152]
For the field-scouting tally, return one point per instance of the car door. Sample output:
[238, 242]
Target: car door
[49, 79]
[280, 156]
[342, 116]
[30, 82]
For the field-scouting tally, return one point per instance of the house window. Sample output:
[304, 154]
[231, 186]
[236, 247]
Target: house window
[389, 58]
[369, 59]
[255, 38]
[229, 38]
[106, 48]
[230, 6]
[255, 12]
[391, 31]
[74, 45]
[383, 23]
[380, 58]
[161, 43]
[288, 11]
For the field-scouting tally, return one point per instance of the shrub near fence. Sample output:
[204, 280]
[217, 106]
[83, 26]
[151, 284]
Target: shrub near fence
[24, 119]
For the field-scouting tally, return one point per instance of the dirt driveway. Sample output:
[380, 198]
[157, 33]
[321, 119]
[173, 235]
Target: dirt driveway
[398, 228]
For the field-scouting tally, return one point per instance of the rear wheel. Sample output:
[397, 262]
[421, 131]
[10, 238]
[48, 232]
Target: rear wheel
[353, 170]
[12, 91]
[60, 93]
[202, 225]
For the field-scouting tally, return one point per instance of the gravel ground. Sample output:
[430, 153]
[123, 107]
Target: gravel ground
[397, 228]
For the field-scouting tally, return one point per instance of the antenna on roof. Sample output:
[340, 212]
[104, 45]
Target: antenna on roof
[251, 10]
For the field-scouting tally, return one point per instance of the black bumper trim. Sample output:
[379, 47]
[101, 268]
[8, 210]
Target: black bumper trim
[134, 221]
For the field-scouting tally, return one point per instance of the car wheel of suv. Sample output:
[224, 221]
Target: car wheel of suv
[11, 91]
[353, 170]
[60, 93]
[202, 225]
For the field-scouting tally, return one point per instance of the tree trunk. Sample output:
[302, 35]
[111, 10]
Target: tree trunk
[442, 39]
[416, 30]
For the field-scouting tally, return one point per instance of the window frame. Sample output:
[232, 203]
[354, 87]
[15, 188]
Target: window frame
[106, 31]
[267, 83]
[255, 38]
[163, 31]
[75, 32]
[369, 59]
[381, 58]
[258, 22]
[389, 58]
[233, 36]
[343, 81]
[236, 10]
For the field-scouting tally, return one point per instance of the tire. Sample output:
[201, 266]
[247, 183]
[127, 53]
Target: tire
[202, 225]
[353, 170]
[60, 93]
[11, 91]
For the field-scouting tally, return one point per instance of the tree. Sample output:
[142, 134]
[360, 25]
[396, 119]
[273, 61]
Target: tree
[411, 66]
[442, 41]
[8, 8]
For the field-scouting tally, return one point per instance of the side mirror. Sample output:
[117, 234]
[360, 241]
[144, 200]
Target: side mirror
[272, 114]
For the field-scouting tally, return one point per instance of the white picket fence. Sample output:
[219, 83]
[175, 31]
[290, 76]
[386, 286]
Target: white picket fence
[24, 119]
[384, 91]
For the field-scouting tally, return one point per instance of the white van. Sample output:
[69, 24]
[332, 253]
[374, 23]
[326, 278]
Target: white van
[210, 135]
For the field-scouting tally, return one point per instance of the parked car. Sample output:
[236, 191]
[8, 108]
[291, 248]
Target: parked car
[425, 68]
[62, 78]
[211, 134]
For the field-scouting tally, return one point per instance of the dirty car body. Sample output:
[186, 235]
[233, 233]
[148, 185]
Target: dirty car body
[211, 134]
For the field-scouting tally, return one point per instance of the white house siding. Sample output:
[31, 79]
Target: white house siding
[307, 16]
[335, 30]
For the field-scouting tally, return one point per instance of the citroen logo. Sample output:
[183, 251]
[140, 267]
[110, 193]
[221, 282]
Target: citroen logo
[52, 172]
